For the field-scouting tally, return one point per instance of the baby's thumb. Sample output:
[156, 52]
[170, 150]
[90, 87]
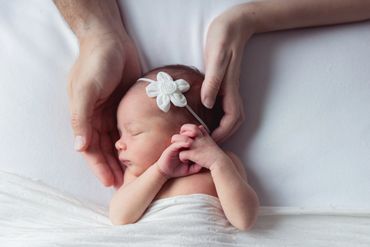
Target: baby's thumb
[82, 111]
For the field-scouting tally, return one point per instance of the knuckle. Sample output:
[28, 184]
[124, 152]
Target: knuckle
[193, 127]
[75, 121]
[214, 83]
[186, 127]
[173, 138]
[188, 141]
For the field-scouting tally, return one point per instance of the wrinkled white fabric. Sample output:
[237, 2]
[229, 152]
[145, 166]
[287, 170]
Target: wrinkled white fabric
[35, 215]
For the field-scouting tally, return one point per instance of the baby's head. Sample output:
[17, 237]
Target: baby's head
[146, 130]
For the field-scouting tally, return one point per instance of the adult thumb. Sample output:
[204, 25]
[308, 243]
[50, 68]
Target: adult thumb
[81, 120]
[209, 91]
[215, 72]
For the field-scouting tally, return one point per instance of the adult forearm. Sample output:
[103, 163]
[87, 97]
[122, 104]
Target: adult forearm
[130, 201]
[269, 15]
[238, 200]
[92, 17]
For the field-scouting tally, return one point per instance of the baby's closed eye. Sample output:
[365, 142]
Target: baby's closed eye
[134, 131]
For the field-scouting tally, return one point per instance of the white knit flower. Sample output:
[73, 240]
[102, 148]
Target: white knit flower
[167, 90]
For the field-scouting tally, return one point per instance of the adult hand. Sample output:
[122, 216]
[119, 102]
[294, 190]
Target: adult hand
[223, 52]
[102, 72]
[107, 64]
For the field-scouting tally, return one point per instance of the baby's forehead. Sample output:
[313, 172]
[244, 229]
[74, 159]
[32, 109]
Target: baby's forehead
[138, 104]
[137, 99]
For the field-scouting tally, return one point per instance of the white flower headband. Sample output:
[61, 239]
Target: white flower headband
[166, 90]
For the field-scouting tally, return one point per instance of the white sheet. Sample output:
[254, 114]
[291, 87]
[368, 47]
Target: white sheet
[306, 140]
[34, 215]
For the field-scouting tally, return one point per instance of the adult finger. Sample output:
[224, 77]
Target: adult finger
[231, 102]
[216, 64]
[232, 119]
[108, 151]
[97, 162]
[82, 105]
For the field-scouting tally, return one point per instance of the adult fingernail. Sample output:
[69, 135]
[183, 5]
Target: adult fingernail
[208, 102]
[79, 142]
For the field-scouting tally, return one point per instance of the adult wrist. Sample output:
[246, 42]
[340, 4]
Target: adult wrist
[87, 17]
[103, 33]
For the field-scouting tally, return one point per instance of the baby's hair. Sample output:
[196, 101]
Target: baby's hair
[195, 78]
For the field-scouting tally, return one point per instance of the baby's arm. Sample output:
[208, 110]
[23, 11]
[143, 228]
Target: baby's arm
[238, 199]
[132, 199]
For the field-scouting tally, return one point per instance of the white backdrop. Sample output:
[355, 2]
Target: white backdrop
[306, 141]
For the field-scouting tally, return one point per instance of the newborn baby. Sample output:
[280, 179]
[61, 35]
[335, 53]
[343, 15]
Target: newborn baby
[166, 149]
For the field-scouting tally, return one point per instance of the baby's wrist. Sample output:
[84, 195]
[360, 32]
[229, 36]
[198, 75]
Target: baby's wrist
[219, 162]
[161, 172]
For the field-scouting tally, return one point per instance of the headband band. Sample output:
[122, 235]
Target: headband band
[166, 90]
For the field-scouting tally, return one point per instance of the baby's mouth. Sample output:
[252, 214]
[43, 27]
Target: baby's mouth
[125, 162]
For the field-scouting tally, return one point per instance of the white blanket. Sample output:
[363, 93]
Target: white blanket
[33, 215]
[306, 140]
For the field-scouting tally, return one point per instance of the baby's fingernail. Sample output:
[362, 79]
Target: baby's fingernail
[79, 142]
[208, 102]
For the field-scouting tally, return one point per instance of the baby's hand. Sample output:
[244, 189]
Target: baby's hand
[170, 164]
[202, 150]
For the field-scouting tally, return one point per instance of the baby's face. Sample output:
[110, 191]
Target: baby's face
[144, 132]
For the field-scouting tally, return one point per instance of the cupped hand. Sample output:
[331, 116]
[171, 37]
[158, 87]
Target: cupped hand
[226, 38]
[104, 69]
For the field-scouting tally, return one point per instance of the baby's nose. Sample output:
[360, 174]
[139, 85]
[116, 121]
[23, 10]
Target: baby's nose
[120, 145]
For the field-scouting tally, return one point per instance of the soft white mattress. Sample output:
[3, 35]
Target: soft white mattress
[306, 140]
[33, 215]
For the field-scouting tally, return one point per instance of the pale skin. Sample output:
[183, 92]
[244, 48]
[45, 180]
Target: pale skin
[174, 166]
[229, 33]
[226, 38]
[107, 65]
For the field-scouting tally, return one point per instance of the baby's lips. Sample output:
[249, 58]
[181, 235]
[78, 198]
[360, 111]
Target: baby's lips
[125, 162]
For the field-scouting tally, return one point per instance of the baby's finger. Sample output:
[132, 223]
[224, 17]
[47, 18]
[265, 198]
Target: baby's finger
[185, 156]
[203, 130]
[190, 130]
[194, 168]
[177, 146]
[181, 138]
